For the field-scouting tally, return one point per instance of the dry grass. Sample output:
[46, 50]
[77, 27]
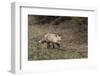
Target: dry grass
[72, 45]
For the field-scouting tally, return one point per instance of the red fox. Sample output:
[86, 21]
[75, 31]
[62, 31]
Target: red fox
[52, 40]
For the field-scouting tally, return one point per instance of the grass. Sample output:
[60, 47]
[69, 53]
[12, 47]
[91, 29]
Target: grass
[38, 51]
[57, 54]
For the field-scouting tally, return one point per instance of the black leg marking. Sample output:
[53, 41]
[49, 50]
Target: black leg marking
[48, 44]
[53, 45]
[58, 45]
